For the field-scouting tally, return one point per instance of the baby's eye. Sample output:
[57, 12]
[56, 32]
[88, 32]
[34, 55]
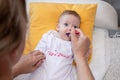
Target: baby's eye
[65, 24]
[75, 27]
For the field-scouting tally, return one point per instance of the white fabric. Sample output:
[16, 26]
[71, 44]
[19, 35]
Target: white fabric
[59, 58]
[113, 48]
[106, 16]
[99, 63]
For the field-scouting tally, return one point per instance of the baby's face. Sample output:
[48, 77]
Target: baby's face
[65, 24]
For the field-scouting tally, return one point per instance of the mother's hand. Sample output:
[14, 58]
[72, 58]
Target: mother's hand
[28, 63]
[80, 47]
[80, 43]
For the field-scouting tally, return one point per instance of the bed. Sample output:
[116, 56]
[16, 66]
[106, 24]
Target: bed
[106, 19]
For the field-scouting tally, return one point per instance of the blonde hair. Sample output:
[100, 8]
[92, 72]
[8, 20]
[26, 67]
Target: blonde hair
[12, 24]
[70, 12]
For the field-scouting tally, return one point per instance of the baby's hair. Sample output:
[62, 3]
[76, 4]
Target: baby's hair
[70, 12]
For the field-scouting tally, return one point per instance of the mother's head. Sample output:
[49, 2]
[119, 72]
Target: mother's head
[12, 33]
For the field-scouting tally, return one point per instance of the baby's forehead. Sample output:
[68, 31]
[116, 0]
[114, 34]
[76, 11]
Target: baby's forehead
[73, 21]
[68, 15]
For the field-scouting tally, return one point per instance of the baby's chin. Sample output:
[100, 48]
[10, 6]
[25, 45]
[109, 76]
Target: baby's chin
[69, 38]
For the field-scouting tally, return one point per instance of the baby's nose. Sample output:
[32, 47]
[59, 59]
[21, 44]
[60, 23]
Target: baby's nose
[70, 27]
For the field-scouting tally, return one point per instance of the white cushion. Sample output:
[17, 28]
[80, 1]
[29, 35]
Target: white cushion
[106, 16]
[99, 63]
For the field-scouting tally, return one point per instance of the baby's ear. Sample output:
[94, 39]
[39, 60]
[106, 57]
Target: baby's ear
[57, 27]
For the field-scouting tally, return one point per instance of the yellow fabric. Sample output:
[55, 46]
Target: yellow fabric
[44, 17]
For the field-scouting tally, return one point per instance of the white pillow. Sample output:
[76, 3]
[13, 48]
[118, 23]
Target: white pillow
[106, 16]
[98, 63]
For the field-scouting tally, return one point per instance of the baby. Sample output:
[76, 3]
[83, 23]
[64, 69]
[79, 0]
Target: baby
[56, 45]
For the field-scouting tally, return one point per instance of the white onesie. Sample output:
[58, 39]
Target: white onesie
[59, 58]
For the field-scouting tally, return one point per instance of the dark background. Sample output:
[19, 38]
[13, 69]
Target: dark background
[116, 5]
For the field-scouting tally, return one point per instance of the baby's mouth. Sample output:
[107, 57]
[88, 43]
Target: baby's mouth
[68, 34]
